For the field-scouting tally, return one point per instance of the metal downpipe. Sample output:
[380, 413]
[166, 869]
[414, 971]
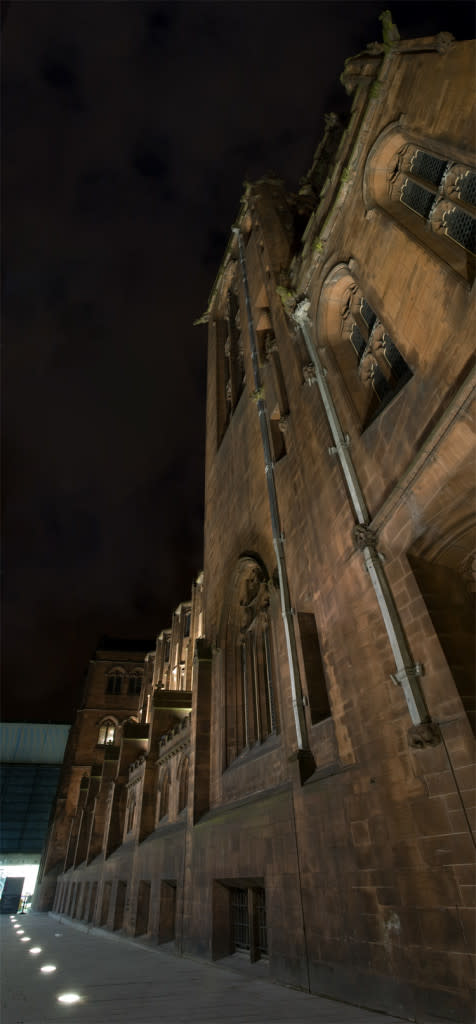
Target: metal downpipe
[407, 672]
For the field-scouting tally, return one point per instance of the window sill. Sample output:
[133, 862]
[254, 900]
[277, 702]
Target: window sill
[328, 771]
[258, 750]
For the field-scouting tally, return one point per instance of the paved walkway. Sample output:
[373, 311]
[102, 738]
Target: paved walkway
[123, 980]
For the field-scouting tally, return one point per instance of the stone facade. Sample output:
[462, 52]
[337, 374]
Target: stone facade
[296, 777]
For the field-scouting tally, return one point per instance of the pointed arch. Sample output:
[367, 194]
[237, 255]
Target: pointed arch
[251, 713]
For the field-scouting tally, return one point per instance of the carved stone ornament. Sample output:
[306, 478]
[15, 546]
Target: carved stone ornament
[364, 537]
[444, 41]
[301, 312]
[366, 367]
[283, 424]
[309, 373]
[253, 596]
[427, 734]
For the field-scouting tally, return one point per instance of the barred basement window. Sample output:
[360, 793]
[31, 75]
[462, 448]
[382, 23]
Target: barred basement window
[240, 918]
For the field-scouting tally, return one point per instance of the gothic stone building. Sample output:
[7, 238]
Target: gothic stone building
[295, 779]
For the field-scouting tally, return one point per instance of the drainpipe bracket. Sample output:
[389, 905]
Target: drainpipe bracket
[309, 374]
[336, 448]
[364, 537]
[409, 672]
[426, 734]
[301, 313]
[257, 395]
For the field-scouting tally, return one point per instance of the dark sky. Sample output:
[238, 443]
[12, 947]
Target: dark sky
[128, 130]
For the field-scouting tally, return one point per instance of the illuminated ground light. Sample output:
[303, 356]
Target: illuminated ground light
[48, 968]
[20, 931]
[35, 950]
[26, 938]
[69, 997]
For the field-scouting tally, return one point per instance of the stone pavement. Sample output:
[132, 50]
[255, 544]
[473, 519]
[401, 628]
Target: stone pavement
[119, 979]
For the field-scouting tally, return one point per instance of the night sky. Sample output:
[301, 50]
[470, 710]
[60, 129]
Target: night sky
[129, 129]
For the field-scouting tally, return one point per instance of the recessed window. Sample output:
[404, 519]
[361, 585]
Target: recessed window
[251, 713]
[248, 921]
[240, 918]
[115, 681]
[135, 682]
[432, 195]
[370, 361]
[107, 733]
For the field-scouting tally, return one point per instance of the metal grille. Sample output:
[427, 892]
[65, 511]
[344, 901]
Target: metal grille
[261, 915]
[466, 186]
[461, 227]
[367, 313]
[357, 341]
[394, 359]
[417, 198]
[240, 918]
[428, 167]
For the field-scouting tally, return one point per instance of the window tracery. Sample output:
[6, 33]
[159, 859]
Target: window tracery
[251, 713]
[440, 191]
[376, 370]
[107, 732]
[431, 194]
[115, 680]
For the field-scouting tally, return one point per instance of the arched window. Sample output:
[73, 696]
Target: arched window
[248, 669]
[135, 681]
[429, 192]
[115, 680]
[183, 784]
[373, 367]
[107, 732]
[164, 789]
